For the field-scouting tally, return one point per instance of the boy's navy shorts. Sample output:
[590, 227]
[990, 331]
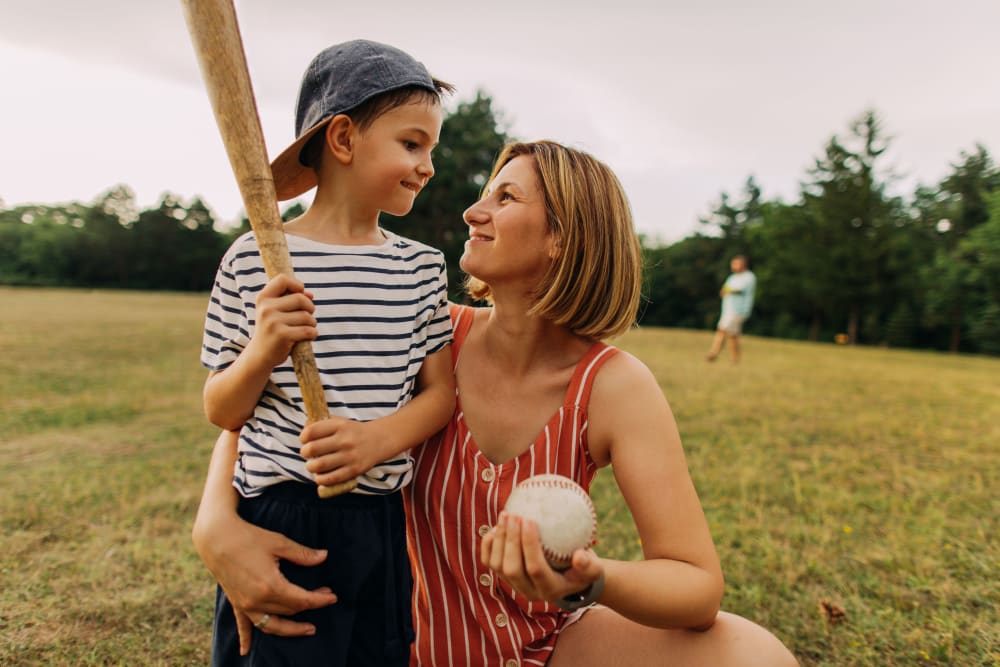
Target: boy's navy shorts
[367, 568]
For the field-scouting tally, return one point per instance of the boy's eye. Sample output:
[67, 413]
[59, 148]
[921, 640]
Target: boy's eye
[411, 145]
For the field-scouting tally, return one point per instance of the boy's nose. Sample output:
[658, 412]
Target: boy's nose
[426, 168]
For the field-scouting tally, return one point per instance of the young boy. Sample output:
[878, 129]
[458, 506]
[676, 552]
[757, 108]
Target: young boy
[375, 307]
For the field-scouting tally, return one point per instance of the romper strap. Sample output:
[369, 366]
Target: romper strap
[586, 371]
[462, 318]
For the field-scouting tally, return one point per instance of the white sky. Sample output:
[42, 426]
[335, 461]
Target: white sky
[683, 99]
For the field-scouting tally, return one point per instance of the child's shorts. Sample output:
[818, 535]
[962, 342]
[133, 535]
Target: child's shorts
[367, 568]
[731, 323]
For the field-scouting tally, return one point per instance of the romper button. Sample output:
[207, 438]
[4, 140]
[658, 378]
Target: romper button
[485, 579]
[488, 475]
[511, 663]
[483, 529]
[501, 620]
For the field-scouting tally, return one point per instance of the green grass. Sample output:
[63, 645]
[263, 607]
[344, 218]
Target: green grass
[862, 477]
[101, 461]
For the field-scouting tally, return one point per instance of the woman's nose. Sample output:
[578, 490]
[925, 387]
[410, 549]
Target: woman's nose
[475, 214]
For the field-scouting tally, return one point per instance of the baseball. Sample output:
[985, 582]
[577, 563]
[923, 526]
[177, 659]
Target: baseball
[563, 512]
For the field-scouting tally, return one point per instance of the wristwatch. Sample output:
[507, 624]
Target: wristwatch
[584, 598]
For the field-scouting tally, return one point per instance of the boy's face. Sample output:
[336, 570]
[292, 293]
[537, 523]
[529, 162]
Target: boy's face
[392, 157]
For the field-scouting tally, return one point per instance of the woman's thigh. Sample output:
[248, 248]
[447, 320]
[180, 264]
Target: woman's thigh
[603, 637]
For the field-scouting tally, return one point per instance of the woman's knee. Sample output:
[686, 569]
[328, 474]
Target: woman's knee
[603, 637]
[756, 644]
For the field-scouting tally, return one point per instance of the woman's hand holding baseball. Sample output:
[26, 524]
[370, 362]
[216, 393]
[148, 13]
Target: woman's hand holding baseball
[513, 550]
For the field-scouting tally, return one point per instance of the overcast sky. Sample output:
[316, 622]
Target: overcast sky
[683, 99]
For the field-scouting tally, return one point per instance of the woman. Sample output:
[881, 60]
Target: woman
[552, 247]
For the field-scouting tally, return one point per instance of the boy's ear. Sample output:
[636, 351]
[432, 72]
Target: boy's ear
[340, 138]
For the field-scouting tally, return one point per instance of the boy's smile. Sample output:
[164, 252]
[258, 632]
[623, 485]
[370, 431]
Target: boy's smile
[416, 187]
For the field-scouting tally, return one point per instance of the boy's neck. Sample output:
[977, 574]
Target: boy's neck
[328, 221]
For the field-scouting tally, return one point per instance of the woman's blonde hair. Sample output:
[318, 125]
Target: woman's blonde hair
[593, 287]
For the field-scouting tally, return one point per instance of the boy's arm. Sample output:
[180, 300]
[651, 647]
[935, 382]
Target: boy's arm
[429, 410]
[284, 312]
[339, 449]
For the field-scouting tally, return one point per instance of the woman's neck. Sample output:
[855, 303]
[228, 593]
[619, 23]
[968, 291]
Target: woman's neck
[523, 342]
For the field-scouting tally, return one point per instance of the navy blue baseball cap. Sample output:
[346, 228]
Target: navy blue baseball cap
[337, 80]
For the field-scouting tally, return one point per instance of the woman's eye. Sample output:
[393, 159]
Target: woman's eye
[504, 196]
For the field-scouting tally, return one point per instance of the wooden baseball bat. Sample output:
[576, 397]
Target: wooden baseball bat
[215, 34]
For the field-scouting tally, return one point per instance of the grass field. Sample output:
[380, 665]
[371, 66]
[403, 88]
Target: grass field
[864, 479]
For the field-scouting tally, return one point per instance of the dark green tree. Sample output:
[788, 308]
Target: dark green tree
[980, 253]
[204, 247]
[292, 211]
[681, 287]
[969, 186]
[847, 201]
[731, 219]
[101, 251]
[175, 246]
[36, 242]
[961, 206]
[792, 283]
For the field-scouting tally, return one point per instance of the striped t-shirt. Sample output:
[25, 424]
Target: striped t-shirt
[380, 310]
[463, 615]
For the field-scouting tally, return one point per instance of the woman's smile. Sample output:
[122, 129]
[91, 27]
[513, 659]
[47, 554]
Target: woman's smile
[477, 237]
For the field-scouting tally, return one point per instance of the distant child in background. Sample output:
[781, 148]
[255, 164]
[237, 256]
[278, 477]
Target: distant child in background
[375, 307]
[737, 303]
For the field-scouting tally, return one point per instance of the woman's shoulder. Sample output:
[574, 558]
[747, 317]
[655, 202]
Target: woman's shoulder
[461, 311]
[624, 364]
[626, 405]
[623, 377]
[462, 319]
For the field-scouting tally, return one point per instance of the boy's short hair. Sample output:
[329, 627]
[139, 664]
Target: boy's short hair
[355, 75]
[593, 287]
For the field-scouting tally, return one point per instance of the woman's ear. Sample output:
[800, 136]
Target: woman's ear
[555, 246]
[340, 138]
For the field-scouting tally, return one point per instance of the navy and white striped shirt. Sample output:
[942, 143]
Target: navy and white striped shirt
[380, 311]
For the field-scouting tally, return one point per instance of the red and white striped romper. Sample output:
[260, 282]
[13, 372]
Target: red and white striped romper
[461, 613]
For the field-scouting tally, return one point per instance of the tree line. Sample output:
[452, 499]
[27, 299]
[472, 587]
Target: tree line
[846, 259]
[849, 260]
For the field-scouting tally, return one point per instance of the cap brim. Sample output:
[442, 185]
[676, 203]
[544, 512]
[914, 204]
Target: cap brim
[291, 177]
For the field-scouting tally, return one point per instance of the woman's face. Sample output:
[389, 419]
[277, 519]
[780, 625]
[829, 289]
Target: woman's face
[509, 236]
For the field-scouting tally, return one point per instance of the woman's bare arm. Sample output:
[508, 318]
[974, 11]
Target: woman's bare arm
[244, 558]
